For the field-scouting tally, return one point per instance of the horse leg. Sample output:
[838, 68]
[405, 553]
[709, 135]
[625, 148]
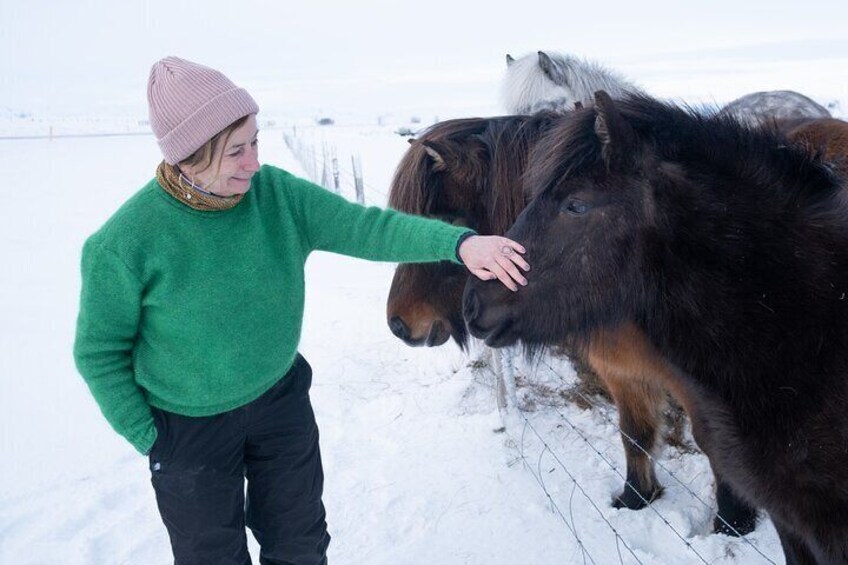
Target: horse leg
[795, 550]
[735, 517]
[625, 363]
[639, 405]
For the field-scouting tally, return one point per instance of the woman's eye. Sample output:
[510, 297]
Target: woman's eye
[576, 207]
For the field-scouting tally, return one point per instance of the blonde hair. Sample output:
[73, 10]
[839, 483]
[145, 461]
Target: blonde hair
[205, 155]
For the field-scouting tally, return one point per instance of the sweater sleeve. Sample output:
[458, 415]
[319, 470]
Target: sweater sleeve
[110, 306]
[332, 223]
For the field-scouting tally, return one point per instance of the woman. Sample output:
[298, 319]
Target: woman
[190, 317]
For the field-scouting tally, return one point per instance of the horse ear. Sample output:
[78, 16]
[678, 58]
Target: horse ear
[436, 155]
[578, 105]
[509, 60]
[551, 69]
[616, 136]
[411, 140]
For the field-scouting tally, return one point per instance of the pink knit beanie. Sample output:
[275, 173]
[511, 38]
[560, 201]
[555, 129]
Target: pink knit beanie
[189, 104]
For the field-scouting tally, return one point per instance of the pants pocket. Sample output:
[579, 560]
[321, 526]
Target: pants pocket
[160, 421]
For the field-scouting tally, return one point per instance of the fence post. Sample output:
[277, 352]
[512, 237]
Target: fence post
[335, 162]
[357, 179]
[325, 182]
[314, 171]
[503, 367]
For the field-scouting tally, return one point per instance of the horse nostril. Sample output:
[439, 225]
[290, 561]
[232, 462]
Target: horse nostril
[399, 328]
[471, 305]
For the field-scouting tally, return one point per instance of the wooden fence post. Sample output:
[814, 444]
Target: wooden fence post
[335, 163]
[357, 179]
[325, 182]
[503, 367]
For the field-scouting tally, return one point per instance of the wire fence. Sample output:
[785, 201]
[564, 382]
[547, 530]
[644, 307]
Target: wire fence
[568, 518]
[324, 165]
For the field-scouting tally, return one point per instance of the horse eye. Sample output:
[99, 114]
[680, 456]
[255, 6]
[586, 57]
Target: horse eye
[575, 207]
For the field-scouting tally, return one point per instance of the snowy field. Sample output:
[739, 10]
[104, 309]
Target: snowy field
[417, 469]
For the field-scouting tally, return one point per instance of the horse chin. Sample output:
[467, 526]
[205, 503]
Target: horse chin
[437, 336]
[501, 336]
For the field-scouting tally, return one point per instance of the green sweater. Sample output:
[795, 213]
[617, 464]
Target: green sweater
[200, 312]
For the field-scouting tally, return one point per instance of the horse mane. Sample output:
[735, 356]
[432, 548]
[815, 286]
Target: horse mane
[507, 141]
[704, 140]
[510, 141]
[413, 185]
[527, 87]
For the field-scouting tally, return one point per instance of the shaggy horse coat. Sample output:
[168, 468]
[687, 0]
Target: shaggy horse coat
[825, 137]
[470, 172]
[552, 81]
[762, 108]
[728, 248]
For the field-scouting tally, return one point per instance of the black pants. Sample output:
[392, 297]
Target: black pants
[199, 465]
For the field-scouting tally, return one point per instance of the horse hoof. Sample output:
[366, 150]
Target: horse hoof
[631, 500]
[737, 527]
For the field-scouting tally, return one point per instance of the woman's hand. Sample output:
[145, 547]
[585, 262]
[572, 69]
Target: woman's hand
[491, 256]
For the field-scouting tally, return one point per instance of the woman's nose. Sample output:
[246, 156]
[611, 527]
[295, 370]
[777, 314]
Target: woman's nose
[251, 161]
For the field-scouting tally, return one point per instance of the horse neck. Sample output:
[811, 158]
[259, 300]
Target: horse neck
[748, 339]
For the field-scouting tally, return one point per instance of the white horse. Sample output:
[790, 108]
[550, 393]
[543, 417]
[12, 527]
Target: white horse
[552, 81]
[760, 108]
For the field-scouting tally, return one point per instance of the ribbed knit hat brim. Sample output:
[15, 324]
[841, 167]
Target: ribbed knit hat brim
[189, 104]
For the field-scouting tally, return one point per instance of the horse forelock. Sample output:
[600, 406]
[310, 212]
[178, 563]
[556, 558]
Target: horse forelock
[564, 150]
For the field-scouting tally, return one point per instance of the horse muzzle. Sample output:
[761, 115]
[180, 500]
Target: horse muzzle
[437, 334]
[488, 321]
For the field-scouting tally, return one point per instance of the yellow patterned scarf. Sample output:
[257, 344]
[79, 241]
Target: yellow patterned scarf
[168, 176]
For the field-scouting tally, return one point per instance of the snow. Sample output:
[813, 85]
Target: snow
[417, 467]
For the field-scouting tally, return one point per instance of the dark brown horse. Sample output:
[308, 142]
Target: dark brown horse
[470, 172]
[727, 248]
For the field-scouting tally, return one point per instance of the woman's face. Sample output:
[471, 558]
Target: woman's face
[233, 163]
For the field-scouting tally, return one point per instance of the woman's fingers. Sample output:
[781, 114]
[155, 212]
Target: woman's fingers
[510, 266]
[490, 257]
[515, 245]
[500, 274]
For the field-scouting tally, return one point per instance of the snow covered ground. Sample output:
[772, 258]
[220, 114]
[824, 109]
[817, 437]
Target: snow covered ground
[417, 469]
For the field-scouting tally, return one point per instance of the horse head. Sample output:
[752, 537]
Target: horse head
[554, 81]
[466, 172]
[580, 230]
[634, 200]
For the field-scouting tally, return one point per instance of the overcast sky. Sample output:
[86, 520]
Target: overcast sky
[87, 55]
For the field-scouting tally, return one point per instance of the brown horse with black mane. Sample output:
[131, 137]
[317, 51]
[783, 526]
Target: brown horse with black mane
[727, 247]
[470, 172]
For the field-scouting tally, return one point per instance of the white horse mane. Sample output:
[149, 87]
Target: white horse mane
[554, 81]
